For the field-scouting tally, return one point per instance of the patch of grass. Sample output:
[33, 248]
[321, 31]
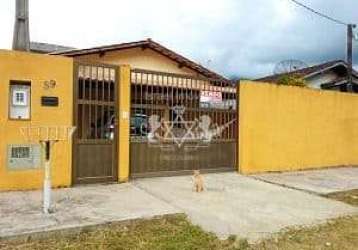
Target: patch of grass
[349, 197]
[169, 233]
[338, 234]
[176, 233]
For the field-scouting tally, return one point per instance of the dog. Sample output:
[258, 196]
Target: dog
[198, 181]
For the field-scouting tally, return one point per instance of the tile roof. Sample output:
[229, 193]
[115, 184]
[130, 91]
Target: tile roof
[181, 60]
[46, 48]
[305, 72]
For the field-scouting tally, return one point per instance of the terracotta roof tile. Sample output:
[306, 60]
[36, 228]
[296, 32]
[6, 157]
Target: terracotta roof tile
[306, 71]
[181, 60]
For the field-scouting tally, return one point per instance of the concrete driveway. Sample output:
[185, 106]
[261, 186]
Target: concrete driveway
[239, 205]
[322, 181]
[231, 204]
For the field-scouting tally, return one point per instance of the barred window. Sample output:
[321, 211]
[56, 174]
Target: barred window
[20, 152]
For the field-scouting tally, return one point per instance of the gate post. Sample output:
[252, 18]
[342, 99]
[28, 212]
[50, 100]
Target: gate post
[124, 102]
[238, 134]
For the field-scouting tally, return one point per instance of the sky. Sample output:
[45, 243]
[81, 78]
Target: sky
[242, 38]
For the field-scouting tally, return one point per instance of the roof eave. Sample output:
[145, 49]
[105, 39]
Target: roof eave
[96, 50]
[339, 83]
[325, 69]
[151, 45]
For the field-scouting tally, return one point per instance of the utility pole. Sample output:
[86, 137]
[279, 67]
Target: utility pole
[350, 28]
[21, 40]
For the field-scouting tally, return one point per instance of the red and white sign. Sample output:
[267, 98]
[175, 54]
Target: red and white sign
[211, 97]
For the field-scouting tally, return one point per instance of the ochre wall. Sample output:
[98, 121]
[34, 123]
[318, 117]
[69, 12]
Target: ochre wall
[286, 128]
[124, 122]
[37, 69]
[138, 58]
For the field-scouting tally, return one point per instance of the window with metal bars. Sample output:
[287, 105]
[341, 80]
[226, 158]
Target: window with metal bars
[20, 152]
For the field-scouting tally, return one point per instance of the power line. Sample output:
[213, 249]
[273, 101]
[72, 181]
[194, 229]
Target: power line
[319, 13]
[350, 28]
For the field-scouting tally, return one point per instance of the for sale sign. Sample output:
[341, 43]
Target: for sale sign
[211, 97]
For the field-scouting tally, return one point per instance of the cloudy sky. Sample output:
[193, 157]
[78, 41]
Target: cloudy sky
[245, 38]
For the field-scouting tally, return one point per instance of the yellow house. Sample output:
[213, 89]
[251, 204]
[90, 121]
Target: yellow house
[160, 80]
[109, 93]
[142, 110]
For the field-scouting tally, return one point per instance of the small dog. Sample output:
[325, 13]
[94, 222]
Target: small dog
[198, 181]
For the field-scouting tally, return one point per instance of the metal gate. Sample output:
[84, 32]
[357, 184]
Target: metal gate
[95, 116]
[180, 123]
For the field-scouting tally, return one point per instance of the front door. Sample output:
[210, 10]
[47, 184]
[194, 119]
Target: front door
[95, 116]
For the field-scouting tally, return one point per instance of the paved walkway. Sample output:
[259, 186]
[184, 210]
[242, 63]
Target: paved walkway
[239, 205]
[232, 204]
[323, 181]
[21, 213]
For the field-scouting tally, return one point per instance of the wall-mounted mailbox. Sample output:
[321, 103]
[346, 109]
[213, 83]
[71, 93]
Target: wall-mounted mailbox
[49, 101]
[20, 100]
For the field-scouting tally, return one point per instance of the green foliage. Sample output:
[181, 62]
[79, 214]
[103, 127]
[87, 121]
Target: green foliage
[292, 80]
[165, 233]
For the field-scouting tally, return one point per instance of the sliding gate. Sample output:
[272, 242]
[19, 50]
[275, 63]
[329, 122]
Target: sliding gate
[181, 123]
[95, 116]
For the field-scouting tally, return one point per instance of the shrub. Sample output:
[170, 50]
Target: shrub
[292, 80]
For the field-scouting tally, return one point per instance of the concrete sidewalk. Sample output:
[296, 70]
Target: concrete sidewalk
[232, 204]
[21, 212]
[239, 205]
[322, 181]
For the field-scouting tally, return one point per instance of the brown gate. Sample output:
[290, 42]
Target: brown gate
[176, 125]
[95, 116]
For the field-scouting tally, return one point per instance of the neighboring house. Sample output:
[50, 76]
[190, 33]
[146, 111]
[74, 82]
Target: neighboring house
[330, 75]
[46, 48]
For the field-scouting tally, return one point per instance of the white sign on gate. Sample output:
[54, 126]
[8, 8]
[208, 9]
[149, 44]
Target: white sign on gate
[210, 97]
